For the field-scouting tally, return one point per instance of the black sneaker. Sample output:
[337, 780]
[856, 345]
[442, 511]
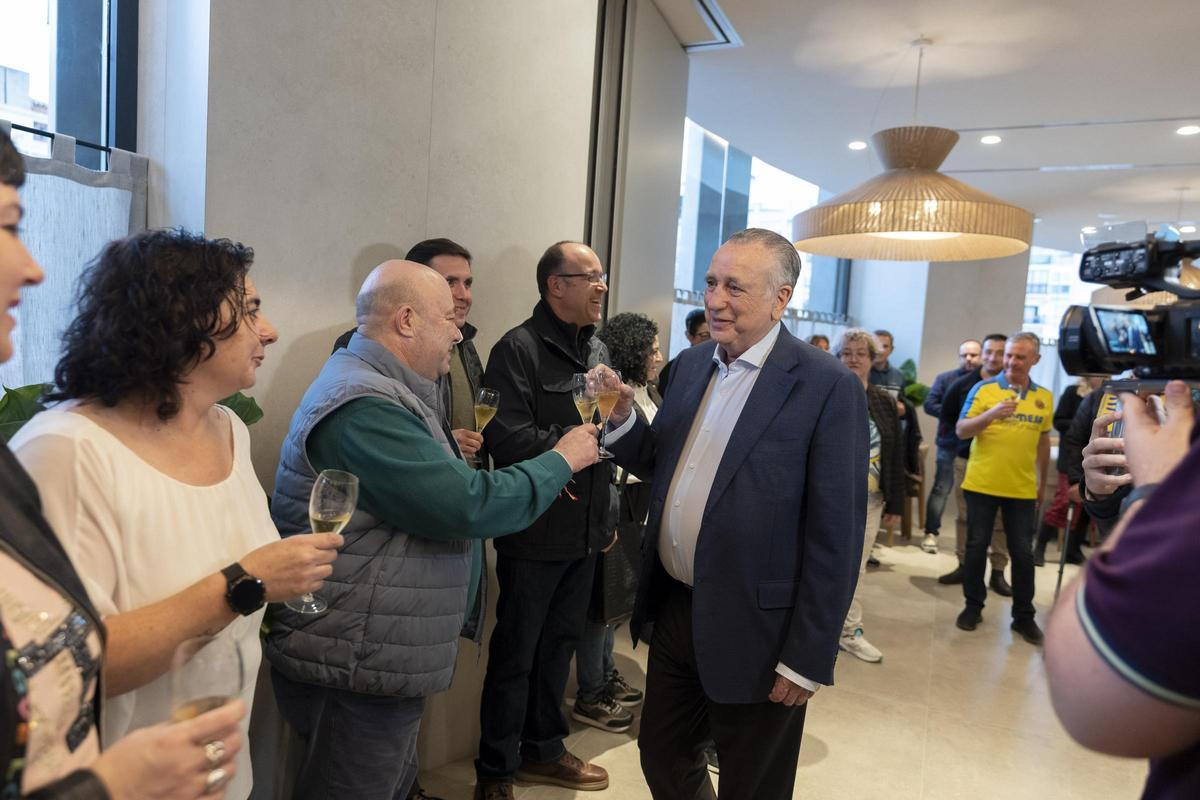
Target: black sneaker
[872, 561]
[1028, 630]
[620, 690]
[969, 619]
[606, 714]
[999, 585]
[710, 754]
[951, 578]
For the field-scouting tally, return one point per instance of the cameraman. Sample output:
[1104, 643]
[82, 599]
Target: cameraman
[1123, 647]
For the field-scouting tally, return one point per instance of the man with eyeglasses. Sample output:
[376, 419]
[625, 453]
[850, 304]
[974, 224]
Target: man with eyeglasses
[544, 572]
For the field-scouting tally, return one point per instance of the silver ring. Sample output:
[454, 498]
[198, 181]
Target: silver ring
[215, 780]
[215, 753]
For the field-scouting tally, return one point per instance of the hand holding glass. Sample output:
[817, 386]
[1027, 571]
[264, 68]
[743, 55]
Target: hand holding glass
[206, 673]
[330, 505]
[606, 386]
[487, 402]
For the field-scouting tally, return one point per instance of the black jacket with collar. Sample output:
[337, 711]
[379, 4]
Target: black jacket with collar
[532, 367]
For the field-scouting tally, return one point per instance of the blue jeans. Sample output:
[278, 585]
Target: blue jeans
[943, 484]
[1019, 516]
[594, 665]
[355, 745]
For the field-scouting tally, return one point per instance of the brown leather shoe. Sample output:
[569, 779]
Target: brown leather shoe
[494, 790]
[568, 772]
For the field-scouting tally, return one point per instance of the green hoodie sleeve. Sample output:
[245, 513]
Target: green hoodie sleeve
[407, 478]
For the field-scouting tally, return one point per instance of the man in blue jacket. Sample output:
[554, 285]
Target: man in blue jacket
[969, 353]
[758, 459]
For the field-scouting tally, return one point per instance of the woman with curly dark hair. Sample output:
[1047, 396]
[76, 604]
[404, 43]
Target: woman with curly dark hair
[148, 482]
[604, 696]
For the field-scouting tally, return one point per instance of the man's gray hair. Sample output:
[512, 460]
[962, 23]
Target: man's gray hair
[787, 259]
[1026, 336]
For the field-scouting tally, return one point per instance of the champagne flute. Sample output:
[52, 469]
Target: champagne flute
[585, 399]
[608, 391]
[487, 401]
[330, 506]
[206, 673]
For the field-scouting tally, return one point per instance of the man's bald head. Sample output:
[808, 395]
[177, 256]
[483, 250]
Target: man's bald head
[393, 284]
[408, 308]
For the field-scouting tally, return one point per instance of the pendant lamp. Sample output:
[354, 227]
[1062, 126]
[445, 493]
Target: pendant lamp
[912, 212]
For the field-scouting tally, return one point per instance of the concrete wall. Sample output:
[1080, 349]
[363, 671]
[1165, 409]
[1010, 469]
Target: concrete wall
[173, 108]
[655, 103]
[340, 134]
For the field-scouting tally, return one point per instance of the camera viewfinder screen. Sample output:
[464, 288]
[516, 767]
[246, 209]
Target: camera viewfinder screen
[1125, 332]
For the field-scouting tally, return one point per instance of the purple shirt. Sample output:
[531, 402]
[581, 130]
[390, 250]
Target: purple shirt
[1139, 604]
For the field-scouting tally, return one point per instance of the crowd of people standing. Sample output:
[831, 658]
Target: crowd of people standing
[134, 522]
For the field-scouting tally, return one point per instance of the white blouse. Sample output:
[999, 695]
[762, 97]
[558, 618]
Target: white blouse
[137, 536]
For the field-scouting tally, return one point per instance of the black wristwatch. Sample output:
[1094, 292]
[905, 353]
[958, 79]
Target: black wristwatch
[244, 592]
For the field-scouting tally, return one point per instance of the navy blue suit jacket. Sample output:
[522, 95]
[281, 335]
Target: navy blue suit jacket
[780, 543]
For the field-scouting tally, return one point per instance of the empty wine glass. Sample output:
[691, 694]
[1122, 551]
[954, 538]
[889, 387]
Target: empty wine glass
[330, 505]
[206, 673]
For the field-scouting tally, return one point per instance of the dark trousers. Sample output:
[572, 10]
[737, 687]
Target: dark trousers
[943, 484]
[758, 744]
[355, 745]
[540, 613]
[1019, 518]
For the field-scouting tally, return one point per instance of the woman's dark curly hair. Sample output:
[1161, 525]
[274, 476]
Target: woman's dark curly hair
[149, 310]
[630, 338]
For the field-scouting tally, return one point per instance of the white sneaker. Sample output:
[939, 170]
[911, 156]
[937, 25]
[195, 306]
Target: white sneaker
[930, 544]
[859, 647]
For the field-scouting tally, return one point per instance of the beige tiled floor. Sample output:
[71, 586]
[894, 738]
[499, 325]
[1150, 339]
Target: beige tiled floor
[946, 715]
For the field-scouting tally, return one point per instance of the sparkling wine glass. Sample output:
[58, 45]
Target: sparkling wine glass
[607, 388]
[330, 506]
[487, 401]
[585, 399]
[206, 673]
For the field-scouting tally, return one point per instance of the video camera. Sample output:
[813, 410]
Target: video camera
[1157, 343]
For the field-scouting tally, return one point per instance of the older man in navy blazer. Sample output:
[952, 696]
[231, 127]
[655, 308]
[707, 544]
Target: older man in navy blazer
[759, 465]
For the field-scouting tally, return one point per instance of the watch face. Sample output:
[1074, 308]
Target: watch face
[247, 594]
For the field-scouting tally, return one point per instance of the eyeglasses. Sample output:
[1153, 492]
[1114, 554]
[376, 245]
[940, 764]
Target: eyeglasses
[593, 278]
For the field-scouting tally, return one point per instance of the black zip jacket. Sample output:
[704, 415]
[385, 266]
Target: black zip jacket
[533, 366]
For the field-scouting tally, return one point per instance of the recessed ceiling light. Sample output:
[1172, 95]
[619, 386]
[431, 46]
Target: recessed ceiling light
[1188, 130]
[1187, 229]
[990, 139]
[857, 145]
[1088, 229]
[1037, 219]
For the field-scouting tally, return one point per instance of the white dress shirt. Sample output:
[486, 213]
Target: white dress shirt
[722, 404]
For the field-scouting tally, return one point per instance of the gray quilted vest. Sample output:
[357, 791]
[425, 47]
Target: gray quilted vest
[396, 602]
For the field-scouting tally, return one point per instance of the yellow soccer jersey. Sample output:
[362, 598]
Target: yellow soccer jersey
[1003, 458]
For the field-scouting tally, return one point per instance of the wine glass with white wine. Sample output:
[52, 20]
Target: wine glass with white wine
[487, 402]
[606, 386]
[585, 399]
[206, 673]
[330, 505]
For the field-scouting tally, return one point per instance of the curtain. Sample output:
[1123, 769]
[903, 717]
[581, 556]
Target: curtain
[71, 212]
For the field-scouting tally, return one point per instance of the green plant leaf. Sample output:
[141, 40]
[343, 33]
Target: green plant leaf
[916, 393]
[909, 370]
[245, 407]
[18, 406]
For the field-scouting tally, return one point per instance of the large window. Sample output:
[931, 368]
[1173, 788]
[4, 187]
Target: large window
[723, 190]
[70, 66]
[1053, 285]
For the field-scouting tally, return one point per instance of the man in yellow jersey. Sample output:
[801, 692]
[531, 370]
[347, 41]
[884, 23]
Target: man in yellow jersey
[1009, 419]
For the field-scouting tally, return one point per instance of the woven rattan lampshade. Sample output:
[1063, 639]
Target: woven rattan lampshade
[912, 212]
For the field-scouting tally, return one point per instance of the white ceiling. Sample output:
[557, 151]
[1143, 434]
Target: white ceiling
[814, 75]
